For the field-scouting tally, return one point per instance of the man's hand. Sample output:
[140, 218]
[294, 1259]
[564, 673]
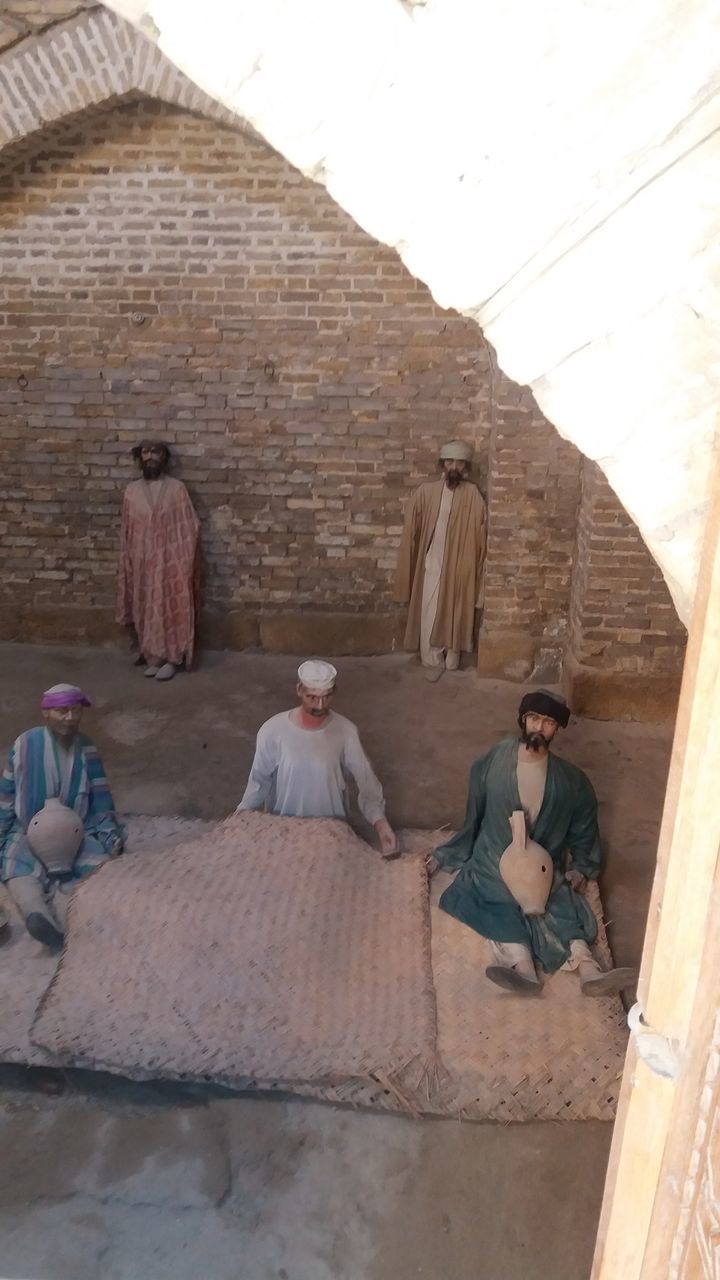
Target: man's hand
[431, 865]
[576, 880]
[388, 841]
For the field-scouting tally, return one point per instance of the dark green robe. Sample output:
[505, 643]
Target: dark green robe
[567, 821]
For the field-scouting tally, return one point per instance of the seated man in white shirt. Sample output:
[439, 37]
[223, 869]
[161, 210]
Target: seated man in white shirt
[303, 757]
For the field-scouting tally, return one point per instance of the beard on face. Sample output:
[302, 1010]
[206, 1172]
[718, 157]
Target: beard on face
[534, 741]
[151, 470]
[453, 479]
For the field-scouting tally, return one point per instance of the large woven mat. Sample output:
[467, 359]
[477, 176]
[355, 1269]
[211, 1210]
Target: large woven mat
[269, 949]
[558, 1057]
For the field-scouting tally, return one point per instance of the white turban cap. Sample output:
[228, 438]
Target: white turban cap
[457, 449]
[317, 674]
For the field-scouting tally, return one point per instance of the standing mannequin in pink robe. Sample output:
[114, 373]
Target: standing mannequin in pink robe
[158, 571]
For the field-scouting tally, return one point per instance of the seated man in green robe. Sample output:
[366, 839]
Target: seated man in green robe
[561, 813]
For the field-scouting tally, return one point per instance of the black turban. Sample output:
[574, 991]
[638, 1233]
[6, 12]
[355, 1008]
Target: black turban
[545, 704]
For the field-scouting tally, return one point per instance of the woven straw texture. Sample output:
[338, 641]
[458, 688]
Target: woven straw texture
[558, 1057]
[501, 1058]
[26, 968]
[273, 949]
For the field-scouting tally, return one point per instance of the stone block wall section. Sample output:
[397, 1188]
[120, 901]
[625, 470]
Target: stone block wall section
[166, 274]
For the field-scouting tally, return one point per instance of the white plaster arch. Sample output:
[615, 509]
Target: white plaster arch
[549, 169]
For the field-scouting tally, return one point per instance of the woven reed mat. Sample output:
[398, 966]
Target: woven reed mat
[27, 968]
[271, 949]
[558, 1057]
[502, 1057]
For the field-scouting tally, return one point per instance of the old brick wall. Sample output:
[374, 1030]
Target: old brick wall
[622, 620]
[304, 376]
[621, 614]
[163, 274]
[533, 496]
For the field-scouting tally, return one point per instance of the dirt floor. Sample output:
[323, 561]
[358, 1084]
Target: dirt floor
[103, 1180]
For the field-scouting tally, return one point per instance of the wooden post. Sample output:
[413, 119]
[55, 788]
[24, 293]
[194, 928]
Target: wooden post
[683, 914]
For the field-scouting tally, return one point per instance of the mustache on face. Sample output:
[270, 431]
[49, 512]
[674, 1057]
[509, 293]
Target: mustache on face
[535, 741]
[453, 479]
[151, 470]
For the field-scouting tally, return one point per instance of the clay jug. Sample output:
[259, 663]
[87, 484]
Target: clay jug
[55, 835]
[526, 869]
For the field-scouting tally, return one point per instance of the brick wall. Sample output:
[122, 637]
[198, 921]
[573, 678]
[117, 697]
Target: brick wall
[533, 495]
[163, 274]
[621, 616]
[305, 377]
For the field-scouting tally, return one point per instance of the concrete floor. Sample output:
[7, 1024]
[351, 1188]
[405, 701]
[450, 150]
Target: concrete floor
[105, 1180]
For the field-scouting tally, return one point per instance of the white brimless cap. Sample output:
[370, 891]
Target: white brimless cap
[316, 674]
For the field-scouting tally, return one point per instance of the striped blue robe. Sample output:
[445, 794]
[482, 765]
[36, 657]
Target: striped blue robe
[32, 776]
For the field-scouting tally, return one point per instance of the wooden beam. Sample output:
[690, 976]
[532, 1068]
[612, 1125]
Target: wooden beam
[679, 919]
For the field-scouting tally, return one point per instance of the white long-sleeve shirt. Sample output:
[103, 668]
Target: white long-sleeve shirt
[300, 773]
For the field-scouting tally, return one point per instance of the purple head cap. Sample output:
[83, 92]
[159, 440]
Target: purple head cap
[64, 695]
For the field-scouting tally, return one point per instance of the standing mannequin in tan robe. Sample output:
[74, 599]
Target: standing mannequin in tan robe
[441, 562]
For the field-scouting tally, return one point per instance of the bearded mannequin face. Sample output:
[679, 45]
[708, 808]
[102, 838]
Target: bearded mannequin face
[455, 471]
[153, 461]
[538, 731]
[153, 458]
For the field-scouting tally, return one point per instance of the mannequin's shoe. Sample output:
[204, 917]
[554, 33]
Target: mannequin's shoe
[510, 980]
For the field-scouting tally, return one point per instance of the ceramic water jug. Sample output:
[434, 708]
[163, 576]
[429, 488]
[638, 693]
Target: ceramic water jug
[526, 869]
[55, 835]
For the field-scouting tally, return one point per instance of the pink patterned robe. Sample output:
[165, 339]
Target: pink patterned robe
[158, 571]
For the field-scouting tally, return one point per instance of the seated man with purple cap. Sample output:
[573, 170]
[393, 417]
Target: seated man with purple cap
[516, 777]
[303, 757]
[57, 819]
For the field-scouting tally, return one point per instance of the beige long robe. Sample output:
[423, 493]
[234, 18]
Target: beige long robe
[463, 564]
[158, 570]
